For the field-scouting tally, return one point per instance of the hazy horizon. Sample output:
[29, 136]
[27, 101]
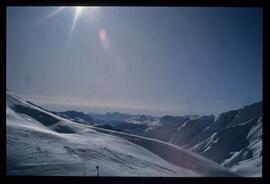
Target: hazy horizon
[137, 60]
[90, 108]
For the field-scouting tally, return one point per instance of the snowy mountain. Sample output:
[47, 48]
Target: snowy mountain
[220, 123]
[233, 139]
[76, 116]
[110, 118]
[190, 129]
[41, 143]
[158, 128]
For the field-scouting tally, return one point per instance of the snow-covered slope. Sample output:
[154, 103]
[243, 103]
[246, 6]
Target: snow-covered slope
[76, 116]
[233, 139]
[190, 129]
[176, 155]
[158, 128]
[40, 143]
[248, 160]
[220, 123]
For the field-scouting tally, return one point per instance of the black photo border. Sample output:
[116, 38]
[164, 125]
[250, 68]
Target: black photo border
[189, 3]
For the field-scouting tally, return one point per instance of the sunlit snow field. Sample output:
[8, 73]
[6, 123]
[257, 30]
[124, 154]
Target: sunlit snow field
[65, 148]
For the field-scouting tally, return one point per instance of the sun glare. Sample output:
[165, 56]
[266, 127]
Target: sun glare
[79, 12]
[79, 9]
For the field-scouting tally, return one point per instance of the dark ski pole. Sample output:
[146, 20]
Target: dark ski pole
[97, 170]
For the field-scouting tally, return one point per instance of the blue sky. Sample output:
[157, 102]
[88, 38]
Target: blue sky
[152, 60]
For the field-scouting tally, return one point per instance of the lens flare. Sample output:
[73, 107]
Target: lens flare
[102, 35]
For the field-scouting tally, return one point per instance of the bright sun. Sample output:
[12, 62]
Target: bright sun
[79, 12]
[79, 9]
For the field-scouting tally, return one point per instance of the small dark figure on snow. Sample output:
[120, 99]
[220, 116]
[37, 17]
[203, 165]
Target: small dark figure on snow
[97, 170]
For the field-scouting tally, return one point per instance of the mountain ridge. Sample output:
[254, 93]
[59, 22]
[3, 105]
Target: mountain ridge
[41, 143]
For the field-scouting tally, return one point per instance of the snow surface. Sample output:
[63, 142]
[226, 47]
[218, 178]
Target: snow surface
[232, 139]
[40, 143]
